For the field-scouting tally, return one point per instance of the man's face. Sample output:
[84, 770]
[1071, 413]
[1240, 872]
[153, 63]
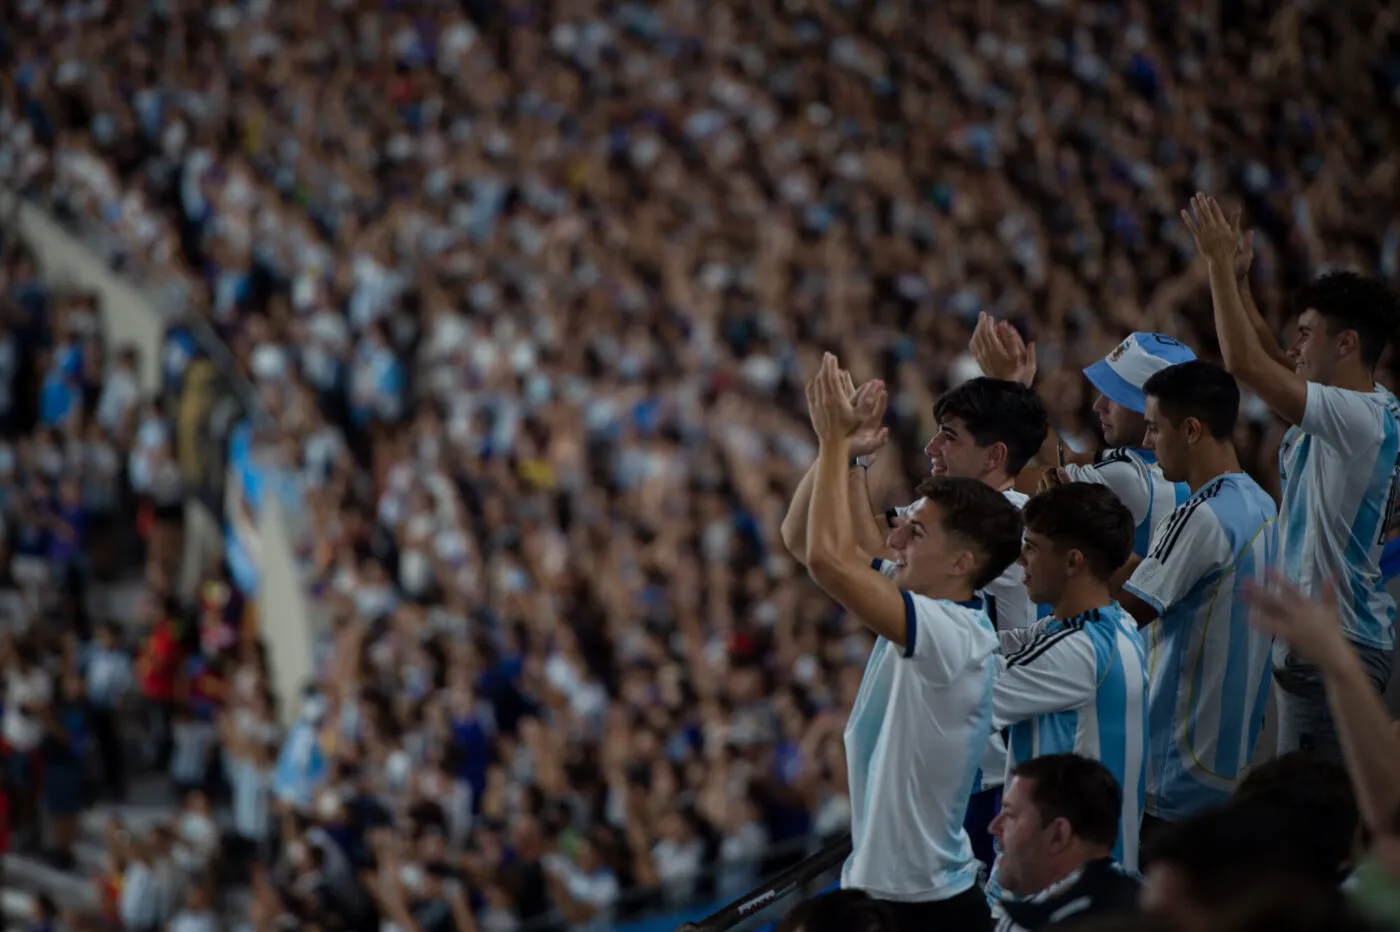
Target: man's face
[952, 451]
[1168, 441]
[1121, 427]
[1024, 841]
[924, 552]
[1046, 573]
[1314, 351]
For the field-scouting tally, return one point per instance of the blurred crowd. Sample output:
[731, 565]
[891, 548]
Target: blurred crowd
[529, 291]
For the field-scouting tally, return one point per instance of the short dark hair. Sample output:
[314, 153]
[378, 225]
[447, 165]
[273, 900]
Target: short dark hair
[1086, 517]
[1197, 389]
[840, 911]
[1079, 790]
[1348, 301]
[980, 515]
[998, 411]
[1280, 906]
[1224, 850]
[1314, 796]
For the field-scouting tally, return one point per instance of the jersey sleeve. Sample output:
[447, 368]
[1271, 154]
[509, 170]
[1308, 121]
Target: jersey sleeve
[943, 640]
[1188, 545]
[1013, 639]
[1055, 672]
[1347, 421]
[1116, 469]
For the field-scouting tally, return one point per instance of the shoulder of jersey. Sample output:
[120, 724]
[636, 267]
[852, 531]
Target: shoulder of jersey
[1114, 455]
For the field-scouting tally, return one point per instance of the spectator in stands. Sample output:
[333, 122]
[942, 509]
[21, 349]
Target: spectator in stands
[1312, 795]
[29, 693]
[1344, 425]
[1197, 870]
[1076, 683]
[1059, 825]
[1222, 537]
[109, 681]
[62, 757]
[1127, 466]
[961, 536]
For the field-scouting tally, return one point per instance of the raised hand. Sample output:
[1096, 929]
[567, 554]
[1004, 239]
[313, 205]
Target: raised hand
[1244, 247]
[870, 402]
[1216, 237]
[1312, 627]
[830, 404]
[1000, 351]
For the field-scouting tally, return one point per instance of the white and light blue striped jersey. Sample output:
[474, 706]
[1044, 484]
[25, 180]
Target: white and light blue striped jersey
[1079, 686]
[1341, 470]
[1137, 480]
[913, 742]
[1208, 670]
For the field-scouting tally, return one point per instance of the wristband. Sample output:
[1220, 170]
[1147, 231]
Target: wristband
[864, 462]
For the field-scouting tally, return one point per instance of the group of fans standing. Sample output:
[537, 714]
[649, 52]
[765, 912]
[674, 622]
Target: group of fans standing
[1075, 660]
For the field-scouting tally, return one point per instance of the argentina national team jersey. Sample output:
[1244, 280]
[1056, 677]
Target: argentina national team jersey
[1340, 470]
[1208, 670]
[916, 733]
[1079, 686]
[1137, 480]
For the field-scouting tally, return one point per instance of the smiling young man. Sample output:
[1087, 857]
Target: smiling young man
[924, 711]
[987, 430]
[1340, 460]
[1208, 670]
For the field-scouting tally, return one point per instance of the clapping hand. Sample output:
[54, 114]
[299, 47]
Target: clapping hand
[1000, 351]
[831, 403]
[1244, 248]
[1217, 238]
[1312, 627]
[870, 401]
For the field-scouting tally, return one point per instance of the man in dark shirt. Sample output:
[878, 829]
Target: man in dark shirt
[1057, 828]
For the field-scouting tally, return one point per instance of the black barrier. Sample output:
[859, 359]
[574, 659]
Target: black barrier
[774, 889]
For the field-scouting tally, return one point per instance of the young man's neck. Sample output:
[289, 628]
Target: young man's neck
[1212, 458]
[1081, 596]
[998, 480]
[1354, 380]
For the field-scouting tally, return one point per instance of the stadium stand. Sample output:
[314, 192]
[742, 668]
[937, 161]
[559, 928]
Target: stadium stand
[502, 312]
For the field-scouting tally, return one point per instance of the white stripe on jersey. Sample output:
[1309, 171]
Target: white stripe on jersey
[1137, 480]
[918, 728]
[1079, 686]
[1341, 476]
[1208, 670]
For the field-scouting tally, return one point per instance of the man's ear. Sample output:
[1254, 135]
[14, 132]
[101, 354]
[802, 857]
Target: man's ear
[1349, 343]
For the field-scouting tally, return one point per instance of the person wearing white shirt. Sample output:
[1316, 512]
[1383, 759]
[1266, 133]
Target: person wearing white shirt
[988, 430]
[924, 712]
[1339, 461]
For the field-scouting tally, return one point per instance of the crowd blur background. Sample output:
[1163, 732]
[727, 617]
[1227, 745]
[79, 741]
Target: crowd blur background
[400, 401]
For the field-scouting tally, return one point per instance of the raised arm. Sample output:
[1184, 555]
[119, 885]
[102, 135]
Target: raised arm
[1247, 357]
[835, 559]
[870, 401]
[1369, 742]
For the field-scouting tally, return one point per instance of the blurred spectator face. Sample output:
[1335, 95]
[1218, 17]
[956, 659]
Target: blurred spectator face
[1122, 427]
[1168, 440]
[953, 452]
[1046, 572]
[1029, 846]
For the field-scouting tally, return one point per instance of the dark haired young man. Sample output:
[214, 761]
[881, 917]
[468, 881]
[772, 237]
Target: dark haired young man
[921, 720]
[1057, 830]
[987, 430]
[1126, 466]
[1076, 683]
[1209, 674]
[1340, 460]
